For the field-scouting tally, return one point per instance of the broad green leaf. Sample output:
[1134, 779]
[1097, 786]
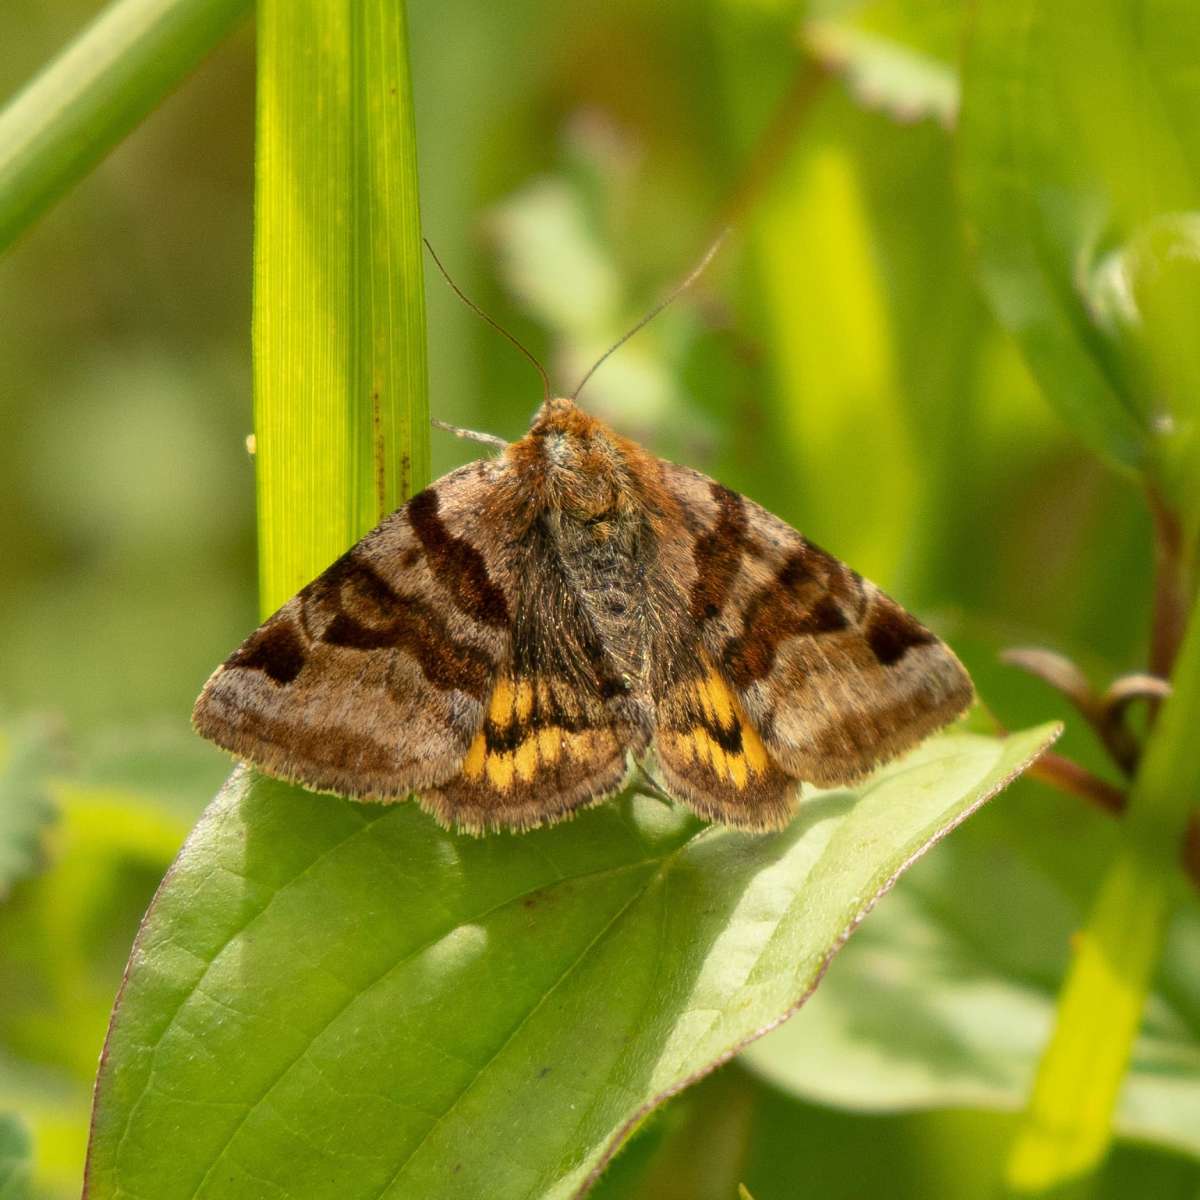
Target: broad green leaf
[898, 55]
[1072, 144]
[925, 1010]
[14, 1159]
[95, 92]
[27, 756]
[342, 1000]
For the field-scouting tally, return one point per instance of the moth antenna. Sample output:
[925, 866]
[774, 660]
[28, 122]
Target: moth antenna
[682, 286]
[490, 320]
[488, 439]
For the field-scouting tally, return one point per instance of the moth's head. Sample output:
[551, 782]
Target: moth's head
[581, 460]
[558, 411]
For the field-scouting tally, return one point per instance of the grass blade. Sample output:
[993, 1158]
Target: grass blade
[341, 412]
[68, 117]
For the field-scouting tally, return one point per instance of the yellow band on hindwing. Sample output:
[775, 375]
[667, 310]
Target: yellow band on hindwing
[509, 712]
[721, 721]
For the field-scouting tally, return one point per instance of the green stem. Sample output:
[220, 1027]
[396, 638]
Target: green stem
[68, 117]
[341, 412]
[1068, 1129]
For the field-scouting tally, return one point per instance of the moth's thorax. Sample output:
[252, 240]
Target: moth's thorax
[597, 498]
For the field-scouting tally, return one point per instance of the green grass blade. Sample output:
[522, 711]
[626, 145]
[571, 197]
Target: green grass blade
[341, 412]
[1068, 1126]
[94, 93]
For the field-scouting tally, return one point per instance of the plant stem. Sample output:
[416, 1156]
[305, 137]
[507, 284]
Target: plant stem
[1170, 586]
[1067, 1129]
[69, 116]
[1068, 776]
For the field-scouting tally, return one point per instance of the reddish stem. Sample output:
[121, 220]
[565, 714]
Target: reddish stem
[1068, 776]
[1170, 587]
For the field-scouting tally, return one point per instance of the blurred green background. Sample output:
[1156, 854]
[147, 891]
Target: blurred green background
[838, 363]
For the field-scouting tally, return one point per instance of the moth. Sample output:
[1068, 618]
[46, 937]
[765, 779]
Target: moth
[519, 636]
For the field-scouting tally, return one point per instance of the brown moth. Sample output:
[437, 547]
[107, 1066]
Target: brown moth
[510, 639]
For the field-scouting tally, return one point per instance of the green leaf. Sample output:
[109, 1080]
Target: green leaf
[1071, 145]
[341, 410]
[928, 1008]
[14, 1159]
[898, 55]
[345, 1000]
[27, 756]
[56, 129]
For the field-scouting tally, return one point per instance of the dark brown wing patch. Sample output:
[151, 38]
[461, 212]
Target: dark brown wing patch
[457, 565]
[717, 555]
[351, 605]
[811, 594]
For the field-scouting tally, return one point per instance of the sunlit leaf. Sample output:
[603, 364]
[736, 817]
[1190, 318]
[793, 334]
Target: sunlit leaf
[346, 1001]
